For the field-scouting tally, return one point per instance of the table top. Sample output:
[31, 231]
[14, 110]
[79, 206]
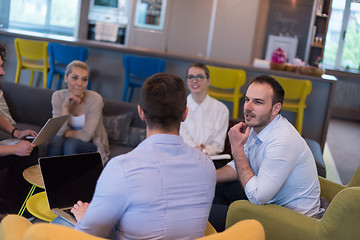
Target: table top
[33, 175]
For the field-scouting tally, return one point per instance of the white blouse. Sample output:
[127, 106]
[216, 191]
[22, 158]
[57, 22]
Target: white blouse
[206, 123]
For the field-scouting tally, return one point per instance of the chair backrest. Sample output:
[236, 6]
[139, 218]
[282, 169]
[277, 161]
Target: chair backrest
[142, 66]
[65, 54]
[227, 78]
[244, 230]
[30, 49]
[295, 89]
[341, 219]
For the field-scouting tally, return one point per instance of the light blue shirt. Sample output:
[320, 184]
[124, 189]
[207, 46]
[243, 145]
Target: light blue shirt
[163, 189]
[284, 168]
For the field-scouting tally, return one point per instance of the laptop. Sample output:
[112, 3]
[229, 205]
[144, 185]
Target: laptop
[47, 132]
[68, 179]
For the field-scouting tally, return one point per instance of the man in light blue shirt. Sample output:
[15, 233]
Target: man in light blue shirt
[163, 189]
[271, 160]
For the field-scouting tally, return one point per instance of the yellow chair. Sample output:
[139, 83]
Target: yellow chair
[296, 91]
[31, 55]
[38, 206]
[225, 84]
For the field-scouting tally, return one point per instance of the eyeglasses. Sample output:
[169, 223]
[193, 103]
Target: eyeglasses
[198, 78]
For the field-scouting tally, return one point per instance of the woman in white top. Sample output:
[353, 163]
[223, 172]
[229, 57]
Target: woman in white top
[207, 121]
[84, 130]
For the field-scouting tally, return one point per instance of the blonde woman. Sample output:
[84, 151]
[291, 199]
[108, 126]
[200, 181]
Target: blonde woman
[84, 130]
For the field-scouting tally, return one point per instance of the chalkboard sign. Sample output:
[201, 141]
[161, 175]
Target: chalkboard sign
[290, 18]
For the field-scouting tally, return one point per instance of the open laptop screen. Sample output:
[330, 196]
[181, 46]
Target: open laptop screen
[70, 178]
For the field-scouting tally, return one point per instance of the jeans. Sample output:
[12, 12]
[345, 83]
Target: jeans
[67, 146]
[225, 194]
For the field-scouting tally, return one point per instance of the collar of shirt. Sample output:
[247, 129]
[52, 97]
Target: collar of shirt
[266, 132]
[171, 139]
[192, 105]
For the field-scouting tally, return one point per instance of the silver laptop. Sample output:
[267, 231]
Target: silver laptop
[68, 179]
[49, 130]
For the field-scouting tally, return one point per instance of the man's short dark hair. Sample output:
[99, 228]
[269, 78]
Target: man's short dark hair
[201, 66]
[275, 85]
[163, 100]
[2, 51]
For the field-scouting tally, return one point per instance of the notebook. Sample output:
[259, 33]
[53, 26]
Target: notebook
[47, 132]
[68, 179]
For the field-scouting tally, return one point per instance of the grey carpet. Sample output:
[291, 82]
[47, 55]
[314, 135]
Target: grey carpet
[343, 140]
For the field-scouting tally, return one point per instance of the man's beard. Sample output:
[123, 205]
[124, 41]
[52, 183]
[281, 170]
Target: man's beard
[262, 121]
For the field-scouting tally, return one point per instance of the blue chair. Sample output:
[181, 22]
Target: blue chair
[137, 69]
[60, 56]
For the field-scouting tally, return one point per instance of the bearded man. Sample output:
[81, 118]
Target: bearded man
[272, 162]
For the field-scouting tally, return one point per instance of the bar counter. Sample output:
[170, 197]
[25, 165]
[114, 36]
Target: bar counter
[105, 61]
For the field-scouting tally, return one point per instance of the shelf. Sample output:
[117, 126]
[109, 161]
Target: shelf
[322, 16]
[317, 46]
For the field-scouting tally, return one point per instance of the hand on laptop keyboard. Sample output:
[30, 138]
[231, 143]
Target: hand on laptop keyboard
[79, 210]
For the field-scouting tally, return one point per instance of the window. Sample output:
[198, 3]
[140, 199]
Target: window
[47, 16]
[342, 47]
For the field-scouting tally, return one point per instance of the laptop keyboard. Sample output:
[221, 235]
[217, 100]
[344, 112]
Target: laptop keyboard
[68, 211]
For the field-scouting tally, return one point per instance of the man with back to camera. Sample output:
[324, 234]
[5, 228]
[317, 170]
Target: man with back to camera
[271, 160]
[15, 159]
[163, 189]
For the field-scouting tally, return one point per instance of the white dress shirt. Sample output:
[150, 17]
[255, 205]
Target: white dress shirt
[206, 123]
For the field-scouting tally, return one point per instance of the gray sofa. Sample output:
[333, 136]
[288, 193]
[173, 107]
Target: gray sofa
[31, 107]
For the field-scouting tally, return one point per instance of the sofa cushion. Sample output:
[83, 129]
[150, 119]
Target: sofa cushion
[117, 127]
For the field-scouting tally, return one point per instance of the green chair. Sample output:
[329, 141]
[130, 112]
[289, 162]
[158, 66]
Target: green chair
[340, 221]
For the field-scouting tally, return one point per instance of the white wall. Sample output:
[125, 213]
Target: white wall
[230, 30]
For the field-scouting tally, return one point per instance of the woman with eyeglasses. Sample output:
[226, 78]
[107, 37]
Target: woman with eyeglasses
[207, 121]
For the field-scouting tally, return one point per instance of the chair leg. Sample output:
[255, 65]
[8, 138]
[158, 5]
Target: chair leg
[131, 93]
[17, 77]
[45, 77]
[31, 78]
[61, 77]
[299, 120]
[124, 95]
[31, 192]
[50, 78]
[236, 108]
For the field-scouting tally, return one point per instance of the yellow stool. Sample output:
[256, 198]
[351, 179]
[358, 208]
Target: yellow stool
[296, 91]
[38, 206]
[31, 55]
[225, 84]
[33, 175]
